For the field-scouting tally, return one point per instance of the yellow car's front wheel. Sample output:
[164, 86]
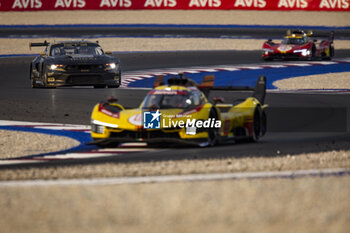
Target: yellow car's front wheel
[213, 133]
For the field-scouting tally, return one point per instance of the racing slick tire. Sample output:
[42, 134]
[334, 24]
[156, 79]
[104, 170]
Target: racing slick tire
[212, 132]
[313, 53]
[113, 86]
[33, 84]
[32, 80]
[257, 125]
[99, 86]
[330, 53]
[263, 124]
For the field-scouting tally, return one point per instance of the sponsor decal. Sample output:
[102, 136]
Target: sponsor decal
[334, 4]
[160, 3]
[250, 3]
[116, 3]
[136, 119]
[292, 4]
[284, 48]
[70, 3]
[209, 123]
[279, 5]
[151, 120]
[204, 3]
[154, 120]
[25, 4]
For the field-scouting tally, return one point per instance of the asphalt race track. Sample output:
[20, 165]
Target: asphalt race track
[296, 122]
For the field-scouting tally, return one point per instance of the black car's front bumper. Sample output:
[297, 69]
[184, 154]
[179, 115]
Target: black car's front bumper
[56, 79]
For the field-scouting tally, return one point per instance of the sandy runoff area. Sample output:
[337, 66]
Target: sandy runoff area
[309, 205]
[178, 17]
[15, 144]
[21, 45]
[336, 158]
[321, 81]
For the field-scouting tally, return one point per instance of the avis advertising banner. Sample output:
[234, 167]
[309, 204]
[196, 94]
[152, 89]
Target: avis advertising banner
[311, 5]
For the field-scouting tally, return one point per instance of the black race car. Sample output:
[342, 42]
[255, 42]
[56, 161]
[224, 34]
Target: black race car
[74, 63]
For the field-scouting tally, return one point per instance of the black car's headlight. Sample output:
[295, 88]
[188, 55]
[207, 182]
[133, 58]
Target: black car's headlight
[112, 66]
[56, 67]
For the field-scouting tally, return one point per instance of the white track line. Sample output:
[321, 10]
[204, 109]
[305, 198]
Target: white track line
[251, 67]
[323, 62]
[275, 66]
[297, 64]
[228, 69]
[34, 124]
[69, 128]
[178, 178]
[76, 156]
[20, 161]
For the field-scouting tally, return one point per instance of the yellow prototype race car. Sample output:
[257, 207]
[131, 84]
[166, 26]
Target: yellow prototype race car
[180, 112]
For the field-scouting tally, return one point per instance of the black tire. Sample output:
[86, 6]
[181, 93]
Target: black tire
[31, 77]
[100, 86]
[44, 83]
[331, 52]
[42, 76]
[256, 125]
[313, 52]
[33, 83]
[263, 124]
[32, 80]
[113, 86]
[212, 132]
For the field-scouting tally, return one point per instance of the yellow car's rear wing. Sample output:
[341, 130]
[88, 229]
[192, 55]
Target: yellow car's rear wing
[207, 85]
[259, 91]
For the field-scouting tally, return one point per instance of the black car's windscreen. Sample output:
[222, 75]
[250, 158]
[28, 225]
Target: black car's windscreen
[71, 49]
[159, 99]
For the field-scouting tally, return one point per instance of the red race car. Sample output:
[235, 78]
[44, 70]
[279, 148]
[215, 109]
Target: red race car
[299, 45]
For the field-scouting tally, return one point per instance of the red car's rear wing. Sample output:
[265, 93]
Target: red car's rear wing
[323, 36]
[319, 34]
